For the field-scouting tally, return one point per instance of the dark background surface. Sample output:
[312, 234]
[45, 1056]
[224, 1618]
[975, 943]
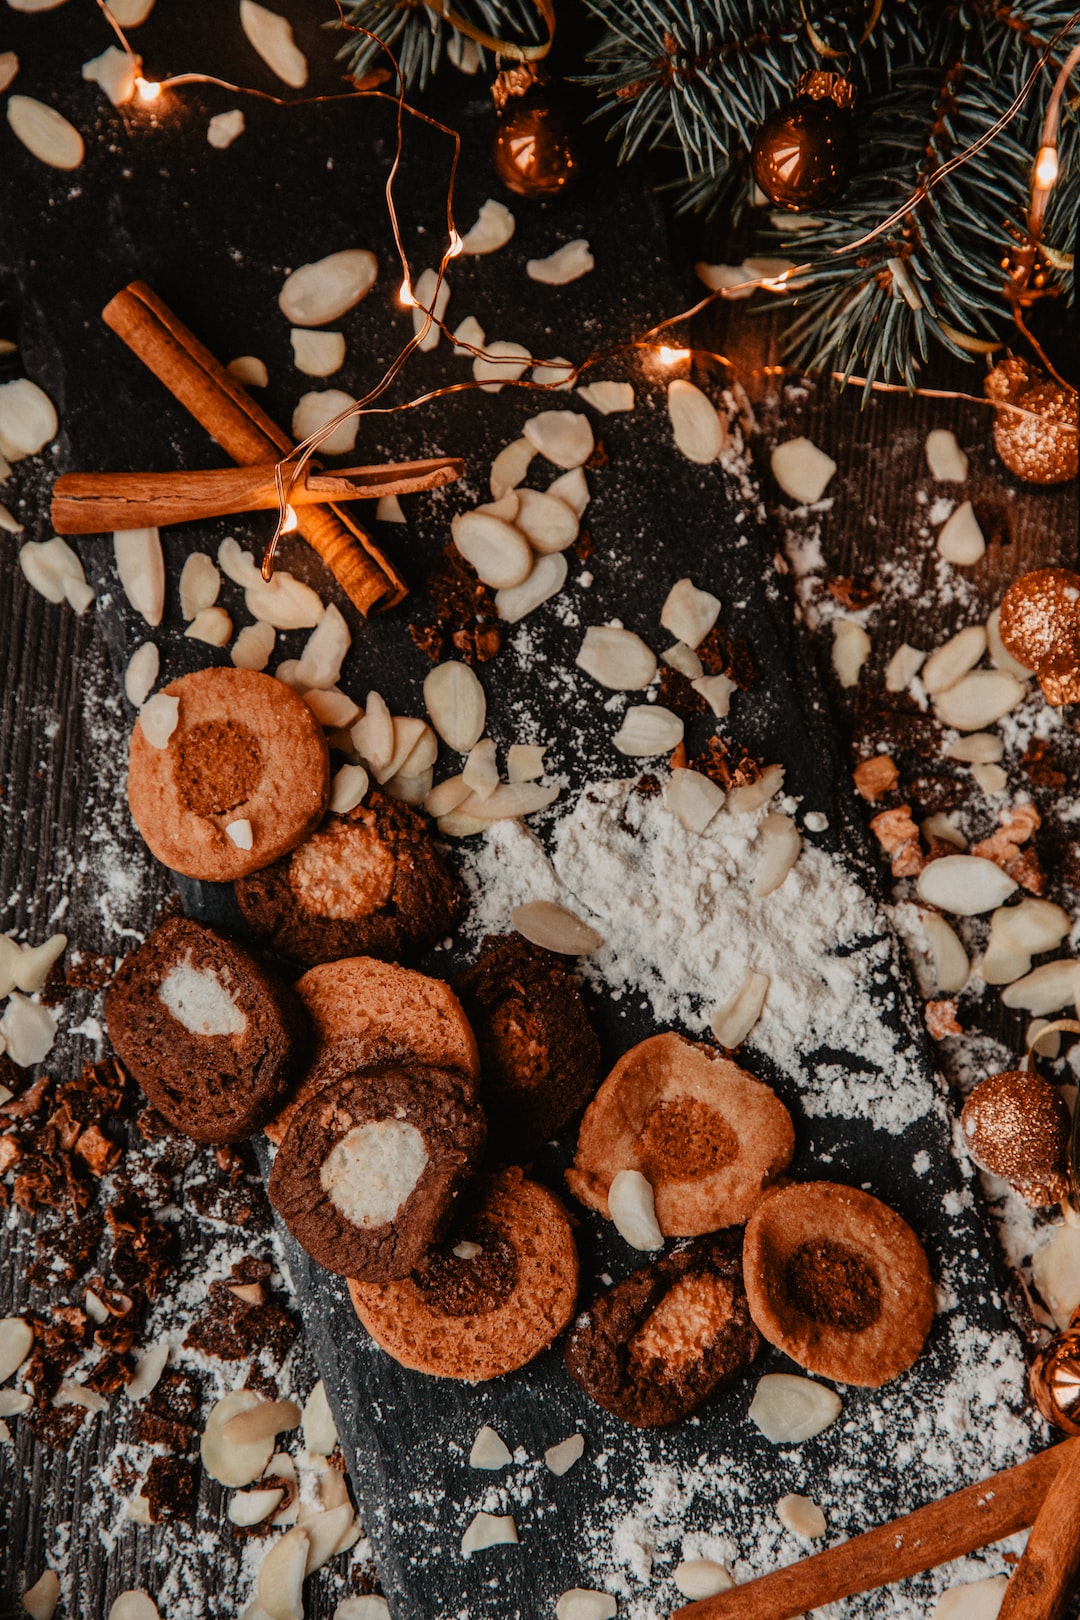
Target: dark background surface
[213, 233]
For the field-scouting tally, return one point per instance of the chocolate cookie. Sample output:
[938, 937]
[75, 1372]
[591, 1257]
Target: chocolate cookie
[495, 1293]
[706, 1135]
[656, 1346]
[838, 1281]
[246, 754]
[417, 1018]
[366, 883]
[211, 1036]
[539, 1056]
[370, 1168]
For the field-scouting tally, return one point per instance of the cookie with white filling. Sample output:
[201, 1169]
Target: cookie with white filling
[371, 1166]
[214, 1039]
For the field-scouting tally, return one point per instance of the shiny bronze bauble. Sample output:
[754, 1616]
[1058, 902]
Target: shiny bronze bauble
[1055, 1379]
[805, 152]
[535, 151]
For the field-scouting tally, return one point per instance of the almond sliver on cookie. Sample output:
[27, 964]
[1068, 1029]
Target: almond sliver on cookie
[633, 1211]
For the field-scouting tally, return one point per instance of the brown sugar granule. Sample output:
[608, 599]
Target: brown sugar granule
[898, 836]
[171, 1488]
[833, 1285]
[583, 545]
[683, 1139]
[469, 1286]
[218, 765]
[430, 640]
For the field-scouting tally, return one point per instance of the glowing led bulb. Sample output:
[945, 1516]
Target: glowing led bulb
[1046, 167]
[291, 520]
[671, 357]
[405, 294]
[148, 89]
[456, 245]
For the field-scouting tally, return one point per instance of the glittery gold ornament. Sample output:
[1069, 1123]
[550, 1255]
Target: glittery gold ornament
[1042, 445]
[1016, 1125]
[1055, 1379]
[1040, 626]
[534, 151]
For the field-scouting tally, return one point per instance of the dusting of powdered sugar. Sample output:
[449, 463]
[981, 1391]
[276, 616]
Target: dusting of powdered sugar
[682, 926]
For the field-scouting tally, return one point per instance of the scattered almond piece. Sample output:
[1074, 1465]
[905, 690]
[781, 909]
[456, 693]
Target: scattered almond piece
[254, 646]
[134, 1605]
[974, 1600]
[1045, 989]
[567, 263]
[646, 730]
[562, 1457]
[697, 428]
[456, 703]
[141, 566]
[496, 549]
[701, 1578]
[618, 659]
[960, 539]
[200, 583]
[347, 789]
[991, 779]
[28, 1029]
[315, 410]
[903, 667]
[16, 1342]
[788, 1409]
[130, 13]
[40, 1600]
[548, 523]
[113, 72]
[685, 660]
[952, 660]
[158, 718]
[500, 363]
[481, 770]
[571, 487]
[1000, 657]
[52, 568]
[689, 613]
[633, 1210]
[978, 699]
[224, 128]
[608, 397]
[780, 845]
[947, 462]
[976, 748]
[750, 796]
[271, 37]
[509, 802]
[494, 227]
[693, 799]
[317, 353]
[488, 1530]
[1055, 1268]
[240, 831]
[579, 1603]
[28, 420]
[732, 1022]
[802, 470]
[851, 649]
[489, 1450]
[45, 133]
[249, 370]
[510, 466]
[247, 1508]
[525, 762]
[9, 67]
[717, 691]
[322, 291]
[965, 885]
[148, 1370]
[564, 438]
[557, 374]
[801, 1516]
[431, 298]
[211, 625]
[553, 928]
[280, 1580]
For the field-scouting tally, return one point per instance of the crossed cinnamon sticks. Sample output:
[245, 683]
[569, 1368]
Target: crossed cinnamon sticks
[1044, 1492]
[246, 434]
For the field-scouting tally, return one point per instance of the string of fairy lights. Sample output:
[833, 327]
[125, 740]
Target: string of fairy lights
[292, 468]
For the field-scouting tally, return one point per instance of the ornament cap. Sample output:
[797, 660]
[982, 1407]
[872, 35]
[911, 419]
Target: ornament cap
[821, 85]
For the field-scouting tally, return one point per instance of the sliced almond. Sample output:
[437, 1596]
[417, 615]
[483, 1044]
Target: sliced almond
[509, 802]
[457, 825]
[313, 414]
[29, 1030]
[489, 1450]
[280, 1580]
[141, 673]
[965, 885]
[732, 1022]
[525, 762]
[789, 1409]
[977, 748]
[580, 1603]
[234, 1462]
[802, 470]
[717, 691]
[506, 507]
[556, 374]
[494, 227]
[373, 736]
[939, 826]
[608, 397]
[347, 788]
[371, 1606]
[500, 363]
[447, 797]
[332, 707]
[158, 718]
[481, 770]
[211, 625]
[141, 566]
[752, 795]
[851, 649]
[249, 370]
[566, 264]
[971, 1600]
[113, 72]
[685, 660]
[16, 1342]
[510, 466]
[801, 1516]
[553, 928]
[689, 613]
[903, 667]
[431, 297]
[241, 832]
[697, 428]
[701, 1578]
[326, 1532]
[949, 662]
[388, 509]
[148, 1371]
[134, 1605]
[948, 968]
[564, 438]
[991, 779]
[320, 662]
[571, 487]
[409, 733]
[457, 704]
[1045, 989]
[36, 962]
[633, 1210]
[647, 730]
[200, 583]
[254, 646]
[1055, 1268]
[8, 522]
[317, 354]
[1000, 657]
[40, 1600]
[252, 1507]
[271, 37]
[45, 133]
[693, 799]
[979, 699]
[320, 292]
[28, 420]
[14, 1403]
[561, 1458]
[779, 844]
[546, 580]
[616, 658]
[70, 1392]
[52, 568]
[947, 462]
[495, 548]
[9, 67]
[284, 602]
[224, 128]
[488, 1530]
[547, 523]
[960, 540]
[1033, 925]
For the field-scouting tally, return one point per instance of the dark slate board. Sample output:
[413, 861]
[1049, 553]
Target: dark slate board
[212, 233]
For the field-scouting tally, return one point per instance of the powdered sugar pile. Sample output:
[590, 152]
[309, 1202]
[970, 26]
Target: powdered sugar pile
[682, 926]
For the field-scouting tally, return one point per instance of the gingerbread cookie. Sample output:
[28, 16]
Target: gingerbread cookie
[706, 1135]
[366, 883]
[412, 1016]
[838, 1281]
[242, 779]
[211, 1036]
[495, 1293]
[540, 1059]
[370, 1168]
[656, 1346]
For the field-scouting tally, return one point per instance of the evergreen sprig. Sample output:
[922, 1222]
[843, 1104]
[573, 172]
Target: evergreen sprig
[419, 38]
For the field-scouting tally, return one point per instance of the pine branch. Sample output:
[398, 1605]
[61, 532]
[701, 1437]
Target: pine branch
[419, 38]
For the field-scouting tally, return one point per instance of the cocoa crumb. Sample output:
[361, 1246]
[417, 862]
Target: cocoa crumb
[465, 615]
[941, 1019]
[678, 695]
[726, 763]
[724, 654]
[171, 1488]
[1041, 765]
[854, 592]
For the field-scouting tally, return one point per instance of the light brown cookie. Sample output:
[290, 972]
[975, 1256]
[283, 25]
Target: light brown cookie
[498, 1290]
[706, 1135]
[245, 750]
[838, 1281]
[409, 1015]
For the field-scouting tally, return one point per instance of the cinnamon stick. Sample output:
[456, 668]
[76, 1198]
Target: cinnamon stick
[245, 432]
[1045, 1577]
[98, 503]
[950, 1528]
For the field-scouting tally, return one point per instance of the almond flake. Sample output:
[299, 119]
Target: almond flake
[564, 438]
[252, 1507]
[13, 1403]
[331, 707]
[546, 580]
[851, 649]
[447, 797]
[942, 968]
[732, 1022]
[571, 487]
[903, 667]
[947, 462]
[224, 128]
[689, 613]
[525, 762]
[633, 1211]
[974, 1600]
[8, 522]
[141, 673]
[70, 1392]
[481, 770]
[16, 1342]
[510, 466]
[249, 370]
[801, 1516]
[500, 363]
[371, 1606]
[553, 928]
[200, 583]
[45, 133]
[685, 660]
[495, 548]
[698, 430]
[780, 846]
[388, 510]
[52, 568]
[953, 659]
[455, 824]
[488, 1530]
[211, 625]
[148, 1371]
[240, 832]
[788, 1409]
[280, 1580]
[158, 719]
[802, 470]
[32, 965]
[313, 414]
[320, 662]
[141, 566]
[1044, 1040]
[317, 354]
[130, 13]
[285, 602]
[9, 67]
[646, 730]
[254, 646]
[608, 397]
[134, 1605]
[494, 227]
[991, 779]
[231, 1461]
[348, 787]
[509, 802]
[566, 264]
[271, 37]
[113, 72]
[977, 748]
[616, 658]
[1033, 925]
[556, 374]
[717, 691]
[562, 1457]
[980, 698]
[322, 291]
[326, 1532]
[431, 297]
[40, 1600]
[960, 540]
[1046, 989]
[701, 1578]
[546, 522]
[1055, 1268]
[457, 705]
[579, 1603]
[693, 799]
[939, 826]
[1000, 657]
[489, 1450]
[965, 885]
[751, 796]
[28, 420]
[373, 734]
